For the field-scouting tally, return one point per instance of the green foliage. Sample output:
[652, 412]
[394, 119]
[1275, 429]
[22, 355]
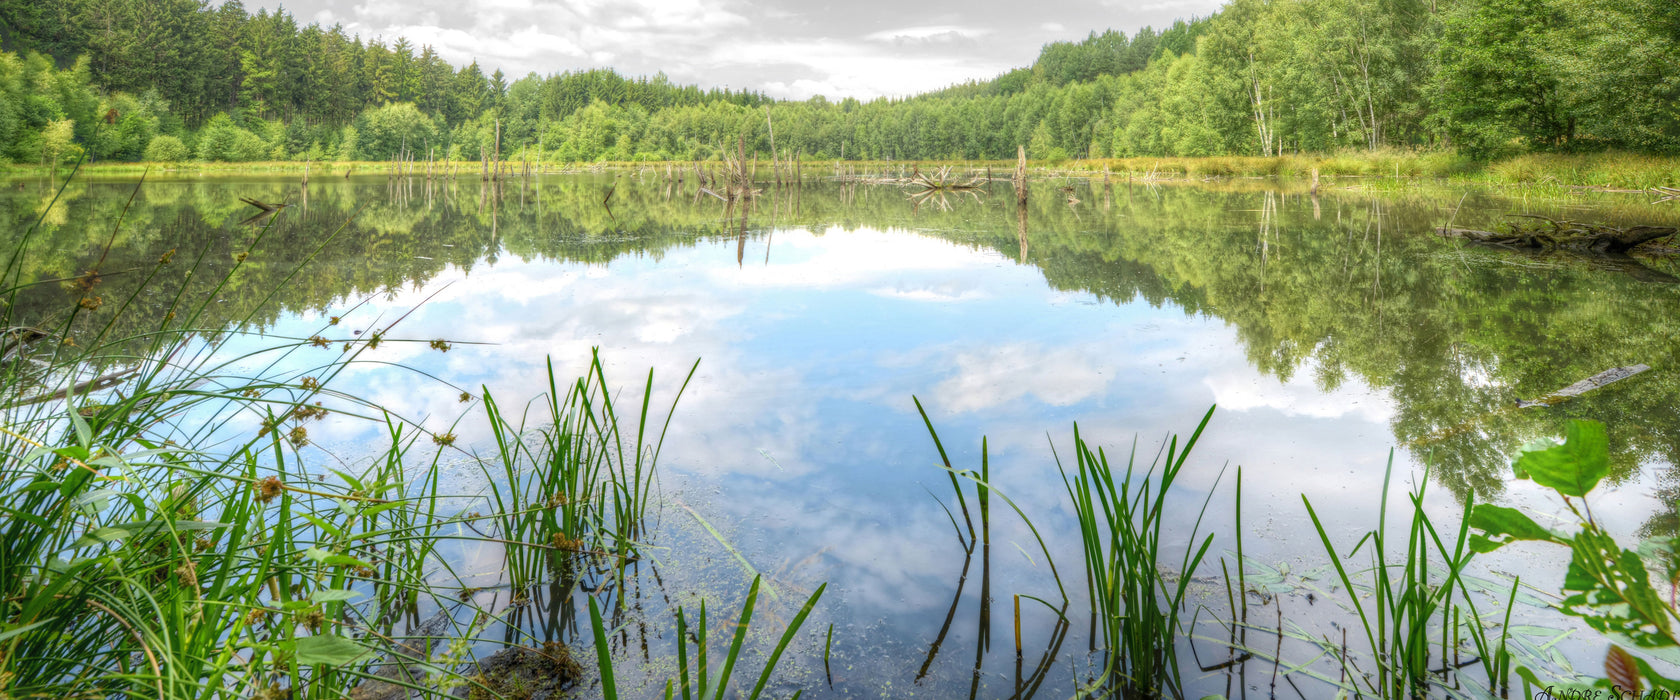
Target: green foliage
[166, 149]
[1572, 468]
[56, 146]
[394, 130]
[1491, 78]
[1495, 87]
[221, 140]
[1606, 586]
[1498, 526]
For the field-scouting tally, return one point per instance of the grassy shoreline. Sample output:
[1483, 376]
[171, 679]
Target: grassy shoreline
[1609, 170]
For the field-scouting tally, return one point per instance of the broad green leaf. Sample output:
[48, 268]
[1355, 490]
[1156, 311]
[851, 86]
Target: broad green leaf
[76, 452]
[84, 434]
[332, 594]
[329, 649]
[93, 501]
[195, 525]
[1574, 467]
[10, 631]
[324, 525]
[328, 558]
[376, 510]
[101, 535]
[1612, 591]
[1500, 526]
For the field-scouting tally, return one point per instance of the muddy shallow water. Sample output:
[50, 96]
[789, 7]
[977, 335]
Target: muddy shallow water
[1328, 330]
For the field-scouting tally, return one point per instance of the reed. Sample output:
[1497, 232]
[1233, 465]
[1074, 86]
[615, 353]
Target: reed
[1137, 607]
[696, 681]
[565, 487]
[1406, 595]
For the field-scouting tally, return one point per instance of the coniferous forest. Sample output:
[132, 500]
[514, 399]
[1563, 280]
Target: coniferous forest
[183, 80]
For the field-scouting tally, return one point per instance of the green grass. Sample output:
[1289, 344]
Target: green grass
[1138, 607]
[1609, 170]
[1406, 596]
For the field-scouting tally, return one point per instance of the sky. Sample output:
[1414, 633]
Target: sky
[788, 49]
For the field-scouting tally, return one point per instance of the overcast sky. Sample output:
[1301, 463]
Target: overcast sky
[786, 48]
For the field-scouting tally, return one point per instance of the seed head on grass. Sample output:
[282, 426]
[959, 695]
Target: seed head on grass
[268, 489]
[90, 303]
[319, 341]
[299, 437]
[310, 384]
[187, 574]
[303, 413]
[444, 439]
[88, 280]
[166, 257]
[256, 617]
[440, 345]
[465, 397]
[334, 320]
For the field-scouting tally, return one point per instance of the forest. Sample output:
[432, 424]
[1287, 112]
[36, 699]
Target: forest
[188, 80]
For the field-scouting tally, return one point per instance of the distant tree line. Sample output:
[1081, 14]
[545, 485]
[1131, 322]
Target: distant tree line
[173, 80]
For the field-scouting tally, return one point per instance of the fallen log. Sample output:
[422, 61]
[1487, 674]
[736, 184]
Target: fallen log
[1601, 379]
[1553, 234]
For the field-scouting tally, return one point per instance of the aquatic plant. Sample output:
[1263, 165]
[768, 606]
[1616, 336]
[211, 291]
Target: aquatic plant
[1137, 604]
[1407, 596]
[1606, 586]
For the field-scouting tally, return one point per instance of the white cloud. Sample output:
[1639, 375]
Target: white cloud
[1240, 389]
[786, 48]
[930, 34]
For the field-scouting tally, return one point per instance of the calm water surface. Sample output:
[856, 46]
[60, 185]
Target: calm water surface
[1329, 331]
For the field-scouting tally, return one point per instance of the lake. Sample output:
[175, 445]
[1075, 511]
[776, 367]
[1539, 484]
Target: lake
[1331, 331]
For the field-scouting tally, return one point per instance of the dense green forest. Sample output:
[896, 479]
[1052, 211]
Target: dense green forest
[178, 80]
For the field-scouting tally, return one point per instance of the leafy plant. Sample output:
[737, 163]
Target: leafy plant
[1606, 586]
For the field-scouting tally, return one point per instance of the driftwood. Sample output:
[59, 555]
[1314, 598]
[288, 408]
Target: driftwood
[942, 180]
[1551, 234]
[1604, 378]
[99, 383]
